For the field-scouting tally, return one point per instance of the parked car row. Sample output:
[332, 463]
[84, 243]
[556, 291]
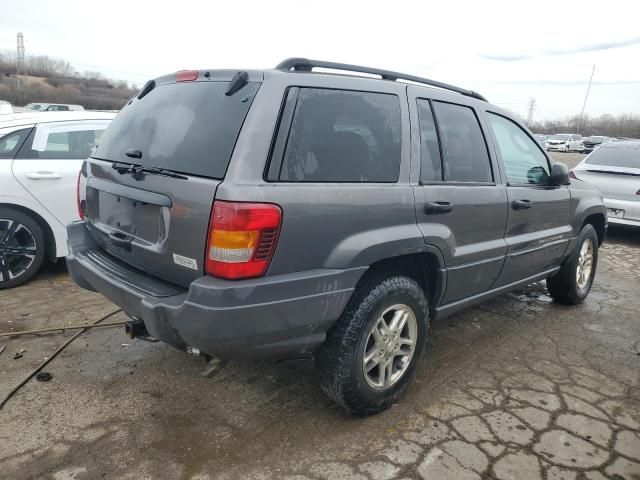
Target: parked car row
[568, 142]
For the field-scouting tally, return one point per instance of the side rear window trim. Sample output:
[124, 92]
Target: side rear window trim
[273, 174]
[280, 138]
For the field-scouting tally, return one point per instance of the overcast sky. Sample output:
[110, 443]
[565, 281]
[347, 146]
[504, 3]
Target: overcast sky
[504, 50]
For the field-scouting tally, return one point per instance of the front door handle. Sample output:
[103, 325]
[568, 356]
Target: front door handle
[435, 208]
[43, 176]
[521, 204]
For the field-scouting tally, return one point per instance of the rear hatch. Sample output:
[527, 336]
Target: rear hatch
[152, 179]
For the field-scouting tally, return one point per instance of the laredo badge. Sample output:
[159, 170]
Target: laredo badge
[185, 261]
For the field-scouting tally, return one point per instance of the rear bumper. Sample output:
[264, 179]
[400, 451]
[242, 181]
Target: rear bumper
[274, 316]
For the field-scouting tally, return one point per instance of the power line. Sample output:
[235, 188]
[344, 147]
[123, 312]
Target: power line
[585, 100]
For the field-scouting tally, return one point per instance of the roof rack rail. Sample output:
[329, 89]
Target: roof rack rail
[306, 65]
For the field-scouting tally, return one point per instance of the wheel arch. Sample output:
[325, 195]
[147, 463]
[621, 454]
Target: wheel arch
[49, 237]
[599, 223]
[426, 267]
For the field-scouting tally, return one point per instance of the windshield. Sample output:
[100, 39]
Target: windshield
[562, 136]
[616, 155]
[188, 127]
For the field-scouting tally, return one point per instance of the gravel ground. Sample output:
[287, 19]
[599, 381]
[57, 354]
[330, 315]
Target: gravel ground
[518, 387]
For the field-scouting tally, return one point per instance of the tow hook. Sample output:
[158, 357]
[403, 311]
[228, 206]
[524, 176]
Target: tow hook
[135, 328]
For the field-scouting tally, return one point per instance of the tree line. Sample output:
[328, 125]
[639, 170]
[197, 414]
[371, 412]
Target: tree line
[47, 79]
[622, 125]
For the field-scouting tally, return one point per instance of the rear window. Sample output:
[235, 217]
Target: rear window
[186, 127]
[612, 155]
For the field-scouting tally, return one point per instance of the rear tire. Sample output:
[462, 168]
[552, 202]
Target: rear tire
[572, 284]
[366, 362]
[22, 247]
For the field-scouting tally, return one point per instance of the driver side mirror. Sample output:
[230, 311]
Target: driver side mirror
[559, 175]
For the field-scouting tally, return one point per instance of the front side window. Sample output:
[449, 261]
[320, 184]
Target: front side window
[342, 136]
[523, 160]
[73, 141]
[464, 151]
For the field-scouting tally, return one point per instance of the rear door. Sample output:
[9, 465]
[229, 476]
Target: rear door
[159, 223]
[461, 206]
[538, 228]
[48, 163]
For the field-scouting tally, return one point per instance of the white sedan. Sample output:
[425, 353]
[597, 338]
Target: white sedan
[615, 169]
[40, 157]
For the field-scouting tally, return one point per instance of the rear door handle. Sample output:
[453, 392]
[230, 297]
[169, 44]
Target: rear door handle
[521, 204]
[43, 176]
[435, 208]
[121, 240]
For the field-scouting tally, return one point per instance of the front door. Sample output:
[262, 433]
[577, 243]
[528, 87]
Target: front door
[48, 163]
[538, 229]
[461, 208]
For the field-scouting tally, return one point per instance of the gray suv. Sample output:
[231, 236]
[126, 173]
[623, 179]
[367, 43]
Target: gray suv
[287, 213]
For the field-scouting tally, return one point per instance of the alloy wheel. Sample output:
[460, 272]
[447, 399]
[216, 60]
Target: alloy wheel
[17, 249]
[389, 347]
[585, 264]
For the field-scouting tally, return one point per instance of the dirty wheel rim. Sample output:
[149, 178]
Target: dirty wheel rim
[389, 347]
[17, 249]
[585, 264]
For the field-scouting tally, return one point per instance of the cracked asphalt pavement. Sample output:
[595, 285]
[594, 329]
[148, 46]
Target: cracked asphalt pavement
[518, 387]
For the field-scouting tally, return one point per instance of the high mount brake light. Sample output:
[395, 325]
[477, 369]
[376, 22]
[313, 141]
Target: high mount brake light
[186, 75]
[242, 238]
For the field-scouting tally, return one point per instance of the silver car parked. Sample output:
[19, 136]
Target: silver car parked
[615, 169]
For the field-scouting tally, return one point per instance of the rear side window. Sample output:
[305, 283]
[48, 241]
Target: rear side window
[464, 149]
[188, 127]
[523, 160]
[342, 136]
[63, 141]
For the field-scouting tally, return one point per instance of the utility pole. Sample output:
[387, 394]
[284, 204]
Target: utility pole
[585, 99]
[20, 67]
[531, 106]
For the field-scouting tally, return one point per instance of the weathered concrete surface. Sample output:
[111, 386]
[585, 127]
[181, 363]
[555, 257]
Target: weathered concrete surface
[518, 387]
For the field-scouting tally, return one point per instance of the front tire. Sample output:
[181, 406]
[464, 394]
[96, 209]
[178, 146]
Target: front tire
[572, 284]
[22, 247]
[371, 354]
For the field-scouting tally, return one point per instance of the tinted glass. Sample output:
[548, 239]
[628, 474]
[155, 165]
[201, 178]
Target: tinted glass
[625, 155]
[343, 136]
[523, 160]
[11, 142]
[188, 127]
[430, 162]
[464, 150]
[70, 145]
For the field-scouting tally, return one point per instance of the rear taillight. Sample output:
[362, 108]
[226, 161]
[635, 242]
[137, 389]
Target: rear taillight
[572, 175]
[81, 193]
[186, 75]
[242, 239]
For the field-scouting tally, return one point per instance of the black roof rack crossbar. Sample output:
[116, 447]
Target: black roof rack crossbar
[306, 65]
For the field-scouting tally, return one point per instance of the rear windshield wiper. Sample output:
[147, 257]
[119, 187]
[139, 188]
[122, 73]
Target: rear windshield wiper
[138, 171]
[160, 171]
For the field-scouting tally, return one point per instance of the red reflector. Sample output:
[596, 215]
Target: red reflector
[242, 239]
[186, 75]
